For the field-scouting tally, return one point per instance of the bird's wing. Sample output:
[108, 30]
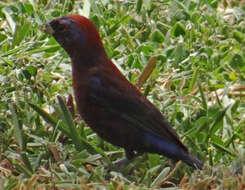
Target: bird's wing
[118, 96]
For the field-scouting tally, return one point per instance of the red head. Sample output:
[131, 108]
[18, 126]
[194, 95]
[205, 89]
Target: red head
[76, 34]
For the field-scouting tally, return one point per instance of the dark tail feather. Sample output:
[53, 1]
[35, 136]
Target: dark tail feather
[192, 161]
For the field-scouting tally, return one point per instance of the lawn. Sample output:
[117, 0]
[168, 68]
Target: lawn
[186, 56]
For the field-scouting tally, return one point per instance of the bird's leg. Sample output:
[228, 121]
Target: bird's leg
[130, 155]
[121, 162]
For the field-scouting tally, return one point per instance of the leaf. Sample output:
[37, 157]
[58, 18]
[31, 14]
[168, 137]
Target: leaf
[158, 37]
[161, 176]
[139, 5]
[146, 72]
[9, 62]
[32, 70]
[199, 126]
[12, 51]
[164, 28]
[149, 173]
[20, 33]
[204, 102]
[177, 30]
[17, 128]
[193, 79]
[238, 36]
[117, 25]
[2, 37]
[237, 62]
[47, 117]
[9, 19]
[79, 142]
[68, 120]
[50, 48]
[29, 8]
[218, 121]
[86, 8]
[221, 147]
[26, 161]
[21, 169]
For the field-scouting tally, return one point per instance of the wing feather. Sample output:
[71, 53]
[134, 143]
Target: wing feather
[128, 103]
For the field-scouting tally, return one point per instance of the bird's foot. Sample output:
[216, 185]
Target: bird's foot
[121, 163]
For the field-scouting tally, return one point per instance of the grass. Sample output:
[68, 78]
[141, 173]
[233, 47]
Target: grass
[186, 56]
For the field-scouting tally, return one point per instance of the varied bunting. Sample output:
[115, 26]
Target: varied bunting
[114, 108]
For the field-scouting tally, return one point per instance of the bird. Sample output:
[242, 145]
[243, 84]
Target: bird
[113, 107]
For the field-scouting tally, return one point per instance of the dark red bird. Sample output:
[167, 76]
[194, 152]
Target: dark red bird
[114, 108]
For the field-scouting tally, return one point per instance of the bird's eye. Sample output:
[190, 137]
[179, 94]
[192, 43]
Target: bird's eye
[60, 25]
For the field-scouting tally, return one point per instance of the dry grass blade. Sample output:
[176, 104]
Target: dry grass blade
[204, 184]
[236, 89]
[31, 183]
[55, 152]
[146, 72]
[169, 175]
[184, 182]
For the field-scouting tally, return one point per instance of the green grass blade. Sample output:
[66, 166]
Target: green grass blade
[47, 117]
[9, 19]
[21, 32]
[26, 161]
[117, 25]
[224, 149]
[22, 169]
[86, 8]
[204, 101]
[17, 128]
[217, 123]
[50, 119]
[78, 141]
[161, 176]
[193, 79]
[139, 6]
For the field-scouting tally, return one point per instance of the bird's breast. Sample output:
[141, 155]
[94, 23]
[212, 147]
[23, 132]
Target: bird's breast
[88, 109]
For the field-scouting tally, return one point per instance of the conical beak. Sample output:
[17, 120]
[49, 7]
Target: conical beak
[47, 29]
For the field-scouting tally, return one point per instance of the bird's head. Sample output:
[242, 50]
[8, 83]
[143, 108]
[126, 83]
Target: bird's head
[75, 33]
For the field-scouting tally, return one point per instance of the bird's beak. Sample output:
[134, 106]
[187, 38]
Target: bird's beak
[47, 28]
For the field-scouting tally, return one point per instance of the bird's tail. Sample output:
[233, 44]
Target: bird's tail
[191, 160]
